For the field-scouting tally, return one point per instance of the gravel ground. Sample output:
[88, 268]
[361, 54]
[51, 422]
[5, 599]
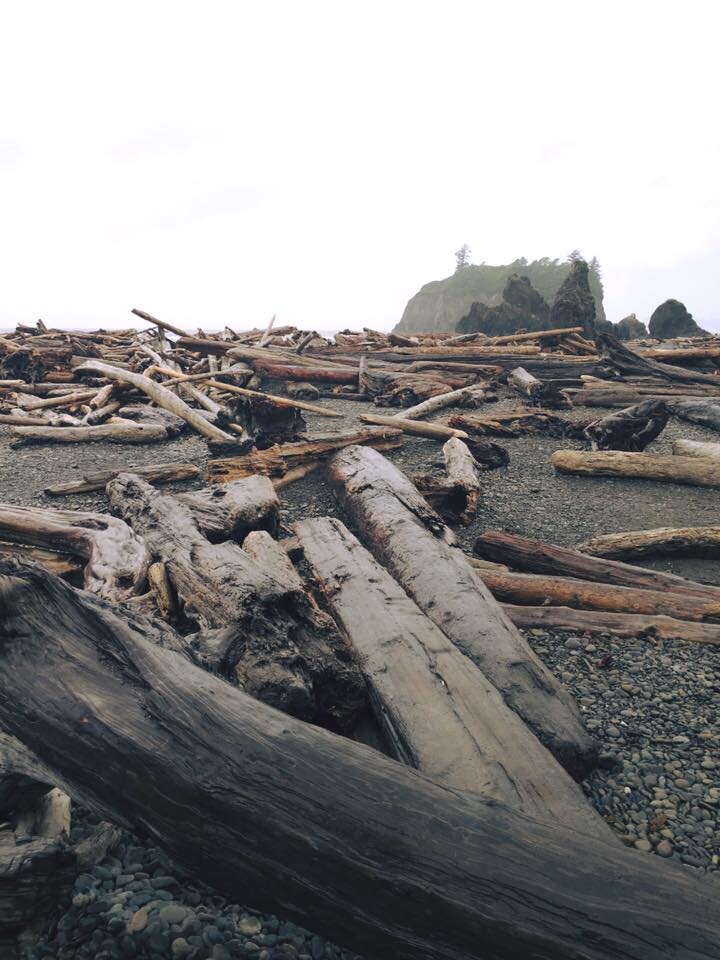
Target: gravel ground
[652, 705]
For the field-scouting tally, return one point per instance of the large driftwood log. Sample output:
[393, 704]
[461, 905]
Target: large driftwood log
[413, 543]
[641, 466]
[116, 559]
[266, 422]
[630, 429]
[259, 630]
[161, 396]
[697, 410]
[696, 448]
[439, 713]
[279, 460]
[98, 479]
[325, 830]
[627, 361]
[627, 625]
[661, 542]
[534, 556]
[535, 589]
[103, 433]
[231, 511]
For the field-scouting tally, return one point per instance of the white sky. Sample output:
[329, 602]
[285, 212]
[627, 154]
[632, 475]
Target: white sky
[218, 162]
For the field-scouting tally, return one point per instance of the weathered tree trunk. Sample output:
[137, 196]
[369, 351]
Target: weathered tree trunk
[614, 463]
[413, 543]
[260, 631]
[696, 448]
[67, 400]
[98, 479]
[628, 625]
[515, 423]
[536, 391]
[534, 556]
[231, 511]
[532, 588]
[661, 542]
[281, 371]
[630, 429]
[116, 558]
[438, 711]
[106, 432]
[302, 391]
[319, 828]
[282, 458]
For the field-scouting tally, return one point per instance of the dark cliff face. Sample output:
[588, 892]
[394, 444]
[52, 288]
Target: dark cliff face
[574, 305]
[439, 305]
[522, 308]
[672, 319]
[630, 328]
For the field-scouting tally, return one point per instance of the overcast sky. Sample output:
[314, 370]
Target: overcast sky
[219, 162]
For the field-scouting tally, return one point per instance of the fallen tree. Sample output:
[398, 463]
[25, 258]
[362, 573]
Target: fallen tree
[614, 463]
[98, 479]
[413, 543]
[103, 433]
[696, 448]
[439, 713]
[323, 829]
[455, 493]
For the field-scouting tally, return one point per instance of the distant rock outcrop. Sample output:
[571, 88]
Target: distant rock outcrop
[522, 308]
[672, 319]
[439, 305]
[630, 328]
[574, 304]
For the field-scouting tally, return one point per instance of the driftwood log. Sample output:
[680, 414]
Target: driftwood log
[278, 460]
[258, 629]
[438, 711]
[471, 396]
[696, 448]
[116, 559]
[630, 429]
[537, 392]
[232, 510]
[661, 542]
[161, 396]
[435, 431]
[413, 543]
[627, 625]
[322, 829]
[536, 589]
[639, 466]
[697, 410]
[126, 432]
[455, 493]
[626, 361]
[98, 479]
[534, 556]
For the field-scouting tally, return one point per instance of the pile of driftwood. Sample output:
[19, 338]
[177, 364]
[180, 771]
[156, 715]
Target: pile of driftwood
[269, 710]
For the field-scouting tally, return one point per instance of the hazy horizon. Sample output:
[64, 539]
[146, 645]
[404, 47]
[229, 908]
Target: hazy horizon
[215, 165]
